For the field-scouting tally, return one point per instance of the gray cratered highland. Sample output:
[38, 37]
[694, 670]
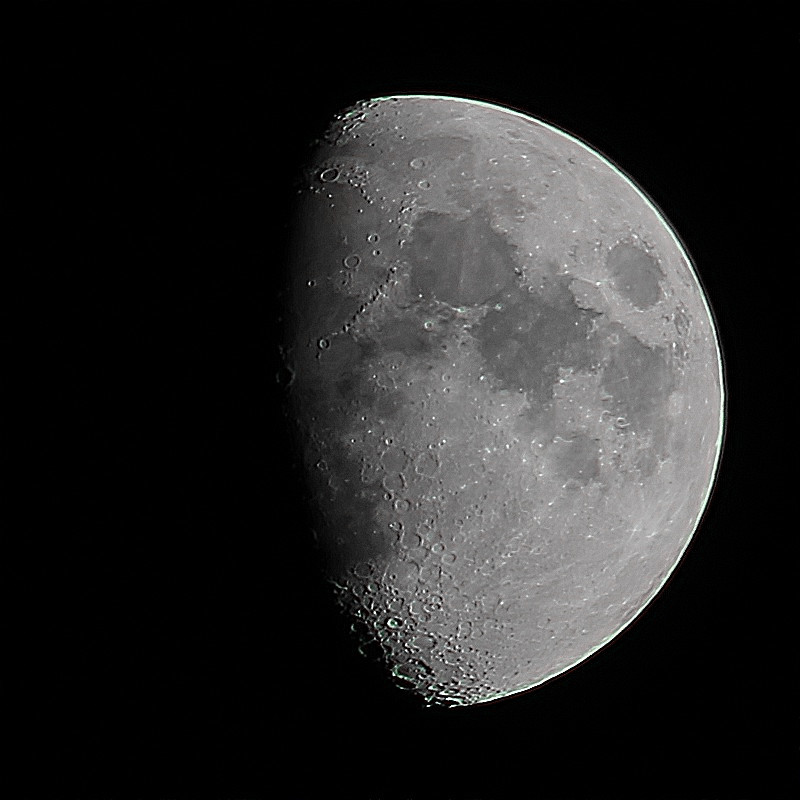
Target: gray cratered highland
[506, 387]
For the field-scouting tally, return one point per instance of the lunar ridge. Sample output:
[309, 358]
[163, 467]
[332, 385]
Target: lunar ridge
[507, 391]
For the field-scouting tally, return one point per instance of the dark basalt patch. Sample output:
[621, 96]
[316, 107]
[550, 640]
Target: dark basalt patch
[577, 458]
[529, 335]
[462, 262]
[639, 380]
[635, 275]
[406, 333]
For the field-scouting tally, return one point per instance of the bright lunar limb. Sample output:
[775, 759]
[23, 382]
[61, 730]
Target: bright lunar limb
[506, 387]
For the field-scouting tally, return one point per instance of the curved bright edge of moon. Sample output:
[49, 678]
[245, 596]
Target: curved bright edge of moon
[719, 356]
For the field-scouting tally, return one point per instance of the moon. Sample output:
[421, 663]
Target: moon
[505, 386]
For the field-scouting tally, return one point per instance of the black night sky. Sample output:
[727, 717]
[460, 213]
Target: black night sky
[169, 637]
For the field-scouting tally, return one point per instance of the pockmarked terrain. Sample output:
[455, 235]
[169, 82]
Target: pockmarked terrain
[506, 389]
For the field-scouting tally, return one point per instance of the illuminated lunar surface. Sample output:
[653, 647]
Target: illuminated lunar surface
[506, 388]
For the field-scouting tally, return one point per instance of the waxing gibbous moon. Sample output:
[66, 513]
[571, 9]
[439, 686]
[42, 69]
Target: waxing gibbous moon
[506, 389]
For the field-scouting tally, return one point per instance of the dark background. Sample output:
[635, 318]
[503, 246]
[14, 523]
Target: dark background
[169, 637]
